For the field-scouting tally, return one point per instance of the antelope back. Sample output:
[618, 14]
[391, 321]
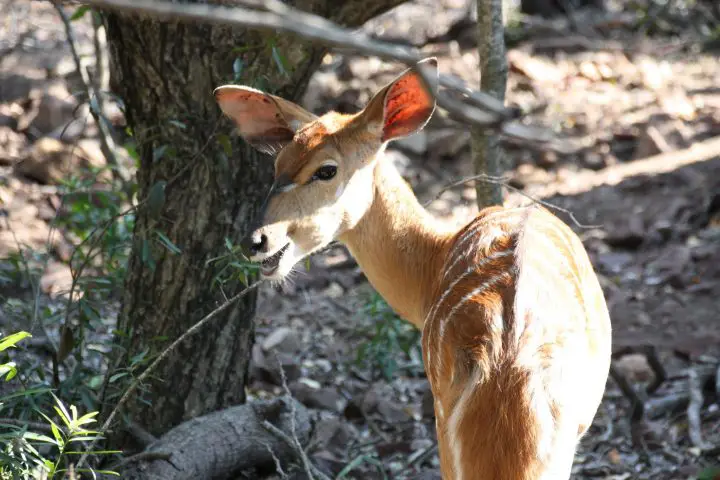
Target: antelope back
[516, 346]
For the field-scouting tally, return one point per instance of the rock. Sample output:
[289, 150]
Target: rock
[634, 367]
[51, 109]
[614, 262]
[669, 268]
[266, 369]
[57, 279]
[651, 142]
[628, 236]
[283, 339]
[333, 435]
[12, 145]
[379, 399]
[427, 406]
[534, 68]
[427, 475]
[49, 160]
[321, 398]
[594, 161]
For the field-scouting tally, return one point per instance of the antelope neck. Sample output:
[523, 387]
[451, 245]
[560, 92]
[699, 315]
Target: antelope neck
[399, 245]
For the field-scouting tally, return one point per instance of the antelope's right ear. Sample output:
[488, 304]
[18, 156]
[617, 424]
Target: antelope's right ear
[265, 121]
[405, 105]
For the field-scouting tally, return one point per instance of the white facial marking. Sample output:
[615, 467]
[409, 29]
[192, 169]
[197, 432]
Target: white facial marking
[287, 188]
[339, 191]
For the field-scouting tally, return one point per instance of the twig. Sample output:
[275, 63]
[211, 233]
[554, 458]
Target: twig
[501, 181]
[278, 465]
[693, 409]
[24, 423]
[188, 333]
[310, 469]
[138, 457]
[107, 145]
[478, 108]
[142, 436]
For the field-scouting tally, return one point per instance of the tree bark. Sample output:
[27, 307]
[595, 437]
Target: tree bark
[165, 74]
[488, 154]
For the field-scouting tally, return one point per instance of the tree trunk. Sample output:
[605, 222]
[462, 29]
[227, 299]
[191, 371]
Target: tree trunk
[488, 154]
[165, 73]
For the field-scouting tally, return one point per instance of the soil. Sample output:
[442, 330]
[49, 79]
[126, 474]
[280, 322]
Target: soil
[614, 89]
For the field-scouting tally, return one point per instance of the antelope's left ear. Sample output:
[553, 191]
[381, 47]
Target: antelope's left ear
[404, 106]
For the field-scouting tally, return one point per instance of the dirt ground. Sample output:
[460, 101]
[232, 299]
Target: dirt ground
[616, 90]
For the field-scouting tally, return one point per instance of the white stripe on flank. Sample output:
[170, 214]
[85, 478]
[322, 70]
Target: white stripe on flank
[455, 417]
[485, 285]
[484, 223]
[475, 266]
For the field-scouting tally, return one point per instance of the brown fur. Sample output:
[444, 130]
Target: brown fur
[516, 334]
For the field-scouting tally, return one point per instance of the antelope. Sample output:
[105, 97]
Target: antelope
[515, 328]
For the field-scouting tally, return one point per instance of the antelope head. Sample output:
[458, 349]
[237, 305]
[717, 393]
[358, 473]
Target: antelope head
[324, 181]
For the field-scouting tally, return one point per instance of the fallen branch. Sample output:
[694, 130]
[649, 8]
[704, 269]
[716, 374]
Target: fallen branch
[693, 410]
[223, 443]
[133, 386]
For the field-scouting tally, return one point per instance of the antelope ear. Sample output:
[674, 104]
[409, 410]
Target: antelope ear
[265, 121]
[404, 106]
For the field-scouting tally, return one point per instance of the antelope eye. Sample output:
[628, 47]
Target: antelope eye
[325, 172]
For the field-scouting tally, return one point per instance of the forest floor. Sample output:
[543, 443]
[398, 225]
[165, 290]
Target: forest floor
[616, 90]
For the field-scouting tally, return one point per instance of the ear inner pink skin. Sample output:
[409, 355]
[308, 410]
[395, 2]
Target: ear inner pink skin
[255, 114]
[407, 107]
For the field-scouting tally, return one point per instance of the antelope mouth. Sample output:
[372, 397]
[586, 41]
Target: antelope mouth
[271, 263]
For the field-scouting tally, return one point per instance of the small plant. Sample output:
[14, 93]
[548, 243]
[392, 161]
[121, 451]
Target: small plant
[25, 453]
[390, 337]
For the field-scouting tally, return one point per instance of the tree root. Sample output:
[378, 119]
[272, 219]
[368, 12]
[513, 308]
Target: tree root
[224, 443]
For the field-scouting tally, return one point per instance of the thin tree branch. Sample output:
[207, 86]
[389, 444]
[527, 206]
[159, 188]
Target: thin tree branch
[107, 144]
[164, 354]
[501, 181]
[477, 108]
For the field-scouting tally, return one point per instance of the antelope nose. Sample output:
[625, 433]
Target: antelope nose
[255, 243]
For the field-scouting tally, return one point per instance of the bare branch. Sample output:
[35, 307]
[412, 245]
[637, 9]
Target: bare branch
[107, 145]
[693, 410]
[501, 181]
[477, 108]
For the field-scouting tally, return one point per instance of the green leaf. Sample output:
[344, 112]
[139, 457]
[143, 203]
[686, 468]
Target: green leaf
[59, 441]
[10, 369]
[159, 152]
[11, 340]
[90, 470]
[168, 244]
[178, 124]
[36, 437]
[224, 141]
[79, 13]
[117, 377]
[156, 199]
[281, 61]
[238, 66]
